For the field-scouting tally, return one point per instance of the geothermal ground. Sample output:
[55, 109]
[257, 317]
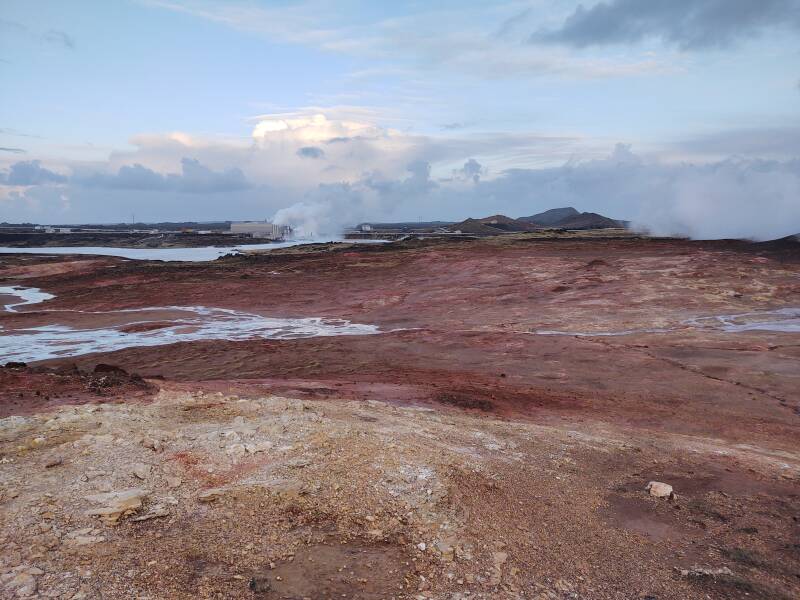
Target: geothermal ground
[439, 420]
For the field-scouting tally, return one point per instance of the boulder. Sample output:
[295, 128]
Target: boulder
[658, 489]
[114, 505]
[701, 572]
[141, 470]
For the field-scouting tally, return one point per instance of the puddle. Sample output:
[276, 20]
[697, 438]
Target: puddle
[157, 326]
[28, 296]
[191, 323]
[602, 333]
[786, 320]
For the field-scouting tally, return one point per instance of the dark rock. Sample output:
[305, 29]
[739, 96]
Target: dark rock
[105, 368]
[260, 584]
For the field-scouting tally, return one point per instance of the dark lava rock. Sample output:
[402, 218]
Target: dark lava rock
[260, 584]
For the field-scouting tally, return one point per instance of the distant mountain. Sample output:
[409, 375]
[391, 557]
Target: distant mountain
[569, 218]
[588, 220]
[494, 225]
[552, 216]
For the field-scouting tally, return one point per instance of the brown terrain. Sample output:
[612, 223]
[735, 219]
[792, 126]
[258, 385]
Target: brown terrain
[489, 442]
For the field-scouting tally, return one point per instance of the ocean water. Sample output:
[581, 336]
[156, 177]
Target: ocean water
[176, 254]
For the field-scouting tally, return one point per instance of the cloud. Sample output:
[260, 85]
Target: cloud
[472, 169]
[688, 24]
[31, 173]
[513, 23]
[385, 174]
[314, 127]
[764, 142]
[17, 133]
[12, 150]
[52, 36]
[311, 152]
[59, 38]
[737, 198]
[479, 39]
[194, 178]
[453, 126]
[733, 198]
[197, 178]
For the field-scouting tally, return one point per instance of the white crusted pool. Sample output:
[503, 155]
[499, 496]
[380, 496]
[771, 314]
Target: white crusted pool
[195, 323]
[157, 326]
[28, 296]
[782, 319]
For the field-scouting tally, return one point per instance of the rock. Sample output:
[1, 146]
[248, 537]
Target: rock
[141, 470]
[445, 549]
[259, 584]
[705, 572]
[83, 537]
[235, 450]
[116, 504]
[658, 489]
[262, 446]
[152, 443]
[174, 482]
[422, 546]
[21, 581]
[53, 462]
[23, 585]
[156, 512]
[210, 495]
[498, 560]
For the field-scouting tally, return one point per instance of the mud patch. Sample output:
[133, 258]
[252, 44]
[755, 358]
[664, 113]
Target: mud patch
[464, 400]
[641, 517]
[334, 571]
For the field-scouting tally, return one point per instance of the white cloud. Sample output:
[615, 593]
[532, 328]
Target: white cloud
[367, 172]
[313, 128]
[472, 39]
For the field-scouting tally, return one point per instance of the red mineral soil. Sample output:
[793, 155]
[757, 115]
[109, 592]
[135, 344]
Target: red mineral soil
[28, 390]
[714, 414]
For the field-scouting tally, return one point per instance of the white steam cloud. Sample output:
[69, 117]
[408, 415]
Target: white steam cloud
[735, 198]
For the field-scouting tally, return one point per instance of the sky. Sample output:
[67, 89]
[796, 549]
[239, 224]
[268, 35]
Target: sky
[680, 115]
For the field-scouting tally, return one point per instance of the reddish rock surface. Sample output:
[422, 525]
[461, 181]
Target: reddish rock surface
[714, 414]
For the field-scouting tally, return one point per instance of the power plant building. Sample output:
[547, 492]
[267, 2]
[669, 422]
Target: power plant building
[261, 229]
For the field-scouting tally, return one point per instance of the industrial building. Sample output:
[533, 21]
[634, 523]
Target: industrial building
[261, 229]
